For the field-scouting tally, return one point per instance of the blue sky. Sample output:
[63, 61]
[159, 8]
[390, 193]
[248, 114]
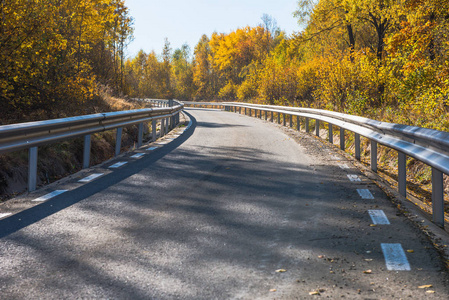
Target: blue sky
[185, 21]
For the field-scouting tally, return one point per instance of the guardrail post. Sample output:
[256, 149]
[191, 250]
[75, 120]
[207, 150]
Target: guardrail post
[153, 130]
[317, 127]
[279, 118]
[140, 135]
[167, 124]
[402, 173]
[172, 118]
[32, 169]
[260, 114]
[291, 120]
[245, 111]
[307, 125]
[373, 156]
[118, 140]
[437, 197]
[331, 134]
[342, 139]
[298, 126]
[283, 119]
[266, 115]
[357, 145]
[162, 129]
[86, 152]
[272, 116]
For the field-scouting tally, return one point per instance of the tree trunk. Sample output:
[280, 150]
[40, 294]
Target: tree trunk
[432, 44]
[351, 40]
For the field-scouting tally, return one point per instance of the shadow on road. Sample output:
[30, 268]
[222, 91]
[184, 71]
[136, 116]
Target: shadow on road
[207, 224]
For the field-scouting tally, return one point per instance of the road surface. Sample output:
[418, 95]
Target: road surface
[234, 208]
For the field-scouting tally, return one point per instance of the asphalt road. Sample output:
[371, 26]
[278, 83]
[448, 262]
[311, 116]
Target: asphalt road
[234, 208]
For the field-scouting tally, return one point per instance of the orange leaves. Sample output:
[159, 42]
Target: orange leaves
[231, 52]
[52, 55]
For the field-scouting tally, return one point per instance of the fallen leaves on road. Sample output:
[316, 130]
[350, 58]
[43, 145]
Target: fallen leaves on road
[316, 292]
[426, 286]
[273, 290]
[430, 292]
[281, 271]
[367, 272]
[410, 251]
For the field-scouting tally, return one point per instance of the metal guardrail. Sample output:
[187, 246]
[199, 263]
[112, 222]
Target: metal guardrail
[31, 135]
[199, 104]
[426, 145]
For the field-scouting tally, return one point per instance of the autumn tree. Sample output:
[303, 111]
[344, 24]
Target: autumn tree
[205, 80]
[47, 47]
[182, 73]
[235, 53]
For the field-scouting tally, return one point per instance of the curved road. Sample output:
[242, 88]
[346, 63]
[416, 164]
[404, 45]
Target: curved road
[234, 208]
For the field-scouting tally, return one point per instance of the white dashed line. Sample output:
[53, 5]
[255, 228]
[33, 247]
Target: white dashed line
[365, 194]
[91, 177]
[343, 166]
[118, 165]
[49, 196]
[354, 178]
[395, 257]
[3, 215]
[378, 217]
[138, 155]
[151, 148]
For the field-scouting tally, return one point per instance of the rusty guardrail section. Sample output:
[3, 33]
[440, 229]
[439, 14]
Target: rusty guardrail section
[426, 145]
[31, 135]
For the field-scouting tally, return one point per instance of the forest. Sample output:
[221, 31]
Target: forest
[383, 59]
[56, 56]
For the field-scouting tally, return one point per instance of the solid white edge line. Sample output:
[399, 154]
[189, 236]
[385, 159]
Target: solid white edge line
[49, 196]
[91, 177]
[395, 258]
[365, 194]
[378, 217]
